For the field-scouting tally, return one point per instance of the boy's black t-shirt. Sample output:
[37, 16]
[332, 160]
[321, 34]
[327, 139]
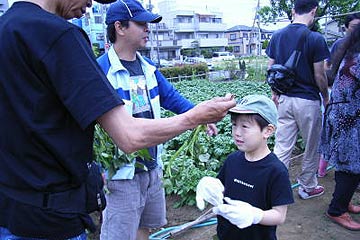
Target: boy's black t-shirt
[51, 93]
[263, 184]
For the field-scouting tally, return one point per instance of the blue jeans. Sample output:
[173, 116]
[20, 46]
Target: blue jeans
[5, 234]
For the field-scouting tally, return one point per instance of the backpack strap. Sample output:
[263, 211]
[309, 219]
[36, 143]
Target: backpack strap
[295, 55]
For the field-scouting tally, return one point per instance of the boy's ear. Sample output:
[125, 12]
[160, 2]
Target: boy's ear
[269, 130]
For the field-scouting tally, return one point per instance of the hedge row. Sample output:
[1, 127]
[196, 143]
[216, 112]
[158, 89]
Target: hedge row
[184, 70]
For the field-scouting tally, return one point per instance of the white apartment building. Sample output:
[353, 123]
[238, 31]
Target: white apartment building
[93, 23]
[4, 5]
[247, 40]
[189, 29]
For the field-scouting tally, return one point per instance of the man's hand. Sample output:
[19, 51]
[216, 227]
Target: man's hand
[239, 213]
[211, 190]
[211, 111]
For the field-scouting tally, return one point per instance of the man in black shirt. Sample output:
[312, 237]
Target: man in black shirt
[52, 92]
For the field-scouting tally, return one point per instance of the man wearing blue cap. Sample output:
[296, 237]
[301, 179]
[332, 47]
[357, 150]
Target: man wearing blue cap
[144, 90]
[52, 92]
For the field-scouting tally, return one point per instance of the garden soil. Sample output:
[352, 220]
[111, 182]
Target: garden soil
[305, 219]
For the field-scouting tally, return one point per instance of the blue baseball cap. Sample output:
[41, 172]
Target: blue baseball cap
[125, 10]
[259, 104]
[105, 1]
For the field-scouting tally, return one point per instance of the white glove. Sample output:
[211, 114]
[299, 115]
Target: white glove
[211, 190]
[239, 213]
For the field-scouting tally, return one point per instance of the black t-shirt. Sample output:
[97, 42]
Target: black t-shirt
[314, 49]
[263, 184]
[141, 104]
[51, 93]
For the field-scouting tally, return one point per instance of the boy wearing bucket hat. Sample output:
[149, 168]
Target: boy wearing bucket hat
[144, 91]
[252, 190]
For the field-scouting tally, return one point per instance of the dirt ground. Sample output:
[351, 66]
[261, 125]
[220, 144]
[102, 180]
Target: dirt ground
[305, 218]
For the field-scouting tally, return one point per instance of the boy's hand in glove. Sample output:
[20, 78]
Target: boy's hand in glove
[239, 213]
[211, 190]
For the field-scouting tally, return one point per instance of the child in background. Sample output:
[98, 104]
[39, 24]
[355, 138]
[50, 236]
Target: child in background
[253, 180]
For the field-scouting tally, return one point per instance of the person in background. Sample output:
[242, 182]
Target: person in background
[52, 92]
[254, 182]
[351, 21]
[144, 90]
[340, 139]
[299, 108]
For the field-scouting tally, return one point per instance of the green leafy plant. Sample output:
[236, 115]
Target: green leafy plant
[111, 157]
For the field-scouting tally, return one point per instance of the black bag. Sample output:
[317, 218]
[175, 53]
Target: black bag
[94, 185]
[87, 197]
[280, 77]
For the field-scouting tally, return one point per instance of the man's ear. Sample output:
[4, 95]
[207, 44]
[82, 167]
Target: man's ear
[313, 12]
[119, 28]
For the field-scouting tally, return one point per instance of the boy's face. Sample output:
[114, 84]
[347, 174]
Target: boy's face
[247, 134]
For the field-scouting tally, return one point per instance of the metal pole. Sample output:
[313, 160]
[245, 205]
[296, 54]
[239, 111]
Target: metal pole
[151, 35]
[157, 44]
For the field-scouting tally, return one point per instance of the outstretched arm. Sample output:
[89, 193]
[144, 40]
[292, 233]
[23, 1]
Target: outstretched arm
[131, 134]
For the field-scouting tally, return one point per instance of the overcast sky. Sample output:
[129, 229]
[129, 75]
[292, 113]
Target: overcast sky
[235, 12]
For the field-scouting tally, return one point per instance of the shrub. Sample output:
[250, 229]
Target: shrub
[186, 70]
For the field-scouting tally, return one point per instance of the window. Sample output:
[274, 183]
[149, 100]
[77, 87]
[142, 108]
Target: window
[233, 36]
[96, 8]
[216, 20]
[236, 48]
[204, 19]
[245, 35]
[98, 19]
[100, 36]
[185, 36]
[87, 19]
[183, 19]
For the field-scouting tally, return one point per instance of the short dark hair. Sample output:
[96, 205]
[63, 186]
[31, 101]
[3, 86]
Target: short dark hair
[305, 6]
[351, 17]
[260, 121]
[110, 30]
[347, 48]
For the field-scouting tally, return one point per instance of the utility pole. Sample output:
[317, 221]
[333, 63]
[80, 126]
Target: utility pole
[103, 8]
[151, 35]
[256, 20]
[157, 44]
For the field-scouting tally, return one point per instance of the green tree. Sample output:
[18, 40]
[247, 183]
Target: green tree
[265, 44]
[96, 49]
[283, 9]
